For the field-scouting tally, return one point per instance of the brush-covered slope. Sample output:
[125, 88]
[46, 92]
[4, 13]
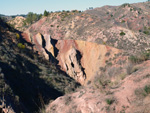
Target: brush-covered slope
[111, 93]
[27, 80]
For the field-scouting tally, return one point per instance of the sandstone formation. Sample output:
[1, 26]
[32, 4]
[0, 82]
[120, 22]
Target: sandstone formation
[83, 59]
[79, 59]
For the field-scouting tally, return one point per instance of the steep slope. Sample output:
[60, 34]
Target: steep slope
[27, 81]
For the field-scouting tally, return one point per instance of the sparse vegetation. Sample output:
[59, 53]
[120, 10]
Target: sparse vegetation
[140, 58]
[125, 4]
[143, 92]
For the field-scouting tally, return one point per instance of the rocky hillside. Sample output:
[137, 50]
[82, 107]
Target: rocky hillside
[113, 26]
[27, 80]
[105, 49]
[113, 92]
[124, 27]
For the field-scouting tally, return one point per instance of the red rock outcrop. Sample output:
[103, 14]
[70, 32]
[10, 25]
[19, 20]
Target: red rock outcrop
[79, 59]
[83, 59]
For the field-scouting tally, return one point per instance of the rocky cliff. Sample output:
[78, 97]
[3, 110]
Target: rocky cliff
[79, 59]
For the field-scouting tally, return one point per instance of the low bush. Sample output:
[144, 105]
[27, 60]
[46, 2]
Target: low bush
[20, 45]
[122, 33]
[143, 92]
[146, 32]
[147, 89]
[109, 101]
[17, 36]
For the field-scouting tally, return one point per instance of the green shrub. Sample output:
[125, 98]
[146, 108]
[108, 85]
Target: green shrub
[147, 89]
[109, 101]
[133, 59]
[62, 19]
[125, 4]
[146, 55]
[143, 92]
[122, 21]
[20, 45]
[46, 13]
[17, 36]
[146, 32]
[74, 11]
[122, 33]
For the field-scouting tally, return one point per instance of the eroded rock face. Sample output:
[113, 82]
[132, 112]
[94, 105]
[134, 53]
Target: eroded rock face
[70, 60]
[41, 43]
[80, 59]
[76, 56]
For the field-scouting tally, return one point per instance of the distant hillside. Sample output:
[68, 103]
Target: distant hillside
[1, 15]
[18, 23]
[121, 26]
[7, 18]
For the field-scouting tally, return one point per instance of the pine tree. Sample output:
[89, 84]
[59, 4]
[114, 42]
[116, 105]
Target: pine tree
[46, 13]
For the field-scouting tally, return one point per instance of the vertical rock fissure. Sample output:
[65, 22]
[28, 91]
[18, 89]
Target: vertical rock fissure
[75, 63]
[79, 56]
